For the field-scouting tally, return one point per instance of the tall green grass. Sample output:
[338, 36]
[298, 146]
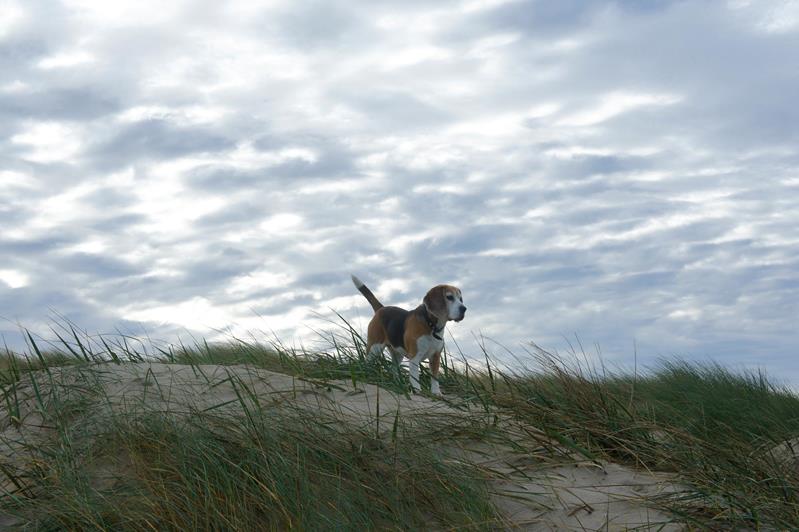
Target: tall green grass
[712, 429]
[88, 465]
[274, 470]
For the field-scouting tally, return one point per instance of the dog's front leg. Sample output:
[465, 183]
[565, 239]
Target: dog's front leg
[413, 370]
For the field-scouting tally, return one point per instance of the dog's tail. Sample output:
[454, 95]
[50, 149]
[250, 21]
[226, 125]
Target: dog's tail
[370, 297]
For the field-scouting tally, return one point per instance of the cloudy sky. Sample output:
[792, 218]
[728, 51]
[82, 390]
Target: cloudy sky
[623, 171]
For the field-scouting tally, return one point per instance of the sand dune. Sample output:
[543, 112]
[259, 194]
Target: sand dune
[542, 491]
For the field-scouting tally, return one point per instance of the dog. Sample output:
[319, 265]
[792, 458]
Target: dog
[417, 334]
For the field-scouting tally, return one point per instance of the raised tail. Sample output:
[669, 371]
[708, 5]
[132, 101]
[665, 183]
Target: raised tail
[370, 297]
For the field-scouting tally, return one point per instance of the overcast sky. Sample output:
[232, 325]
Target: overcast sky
[625, 171]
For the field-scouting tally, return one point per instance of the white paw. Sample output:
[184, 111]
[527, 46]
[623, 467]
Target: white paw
[434, 389]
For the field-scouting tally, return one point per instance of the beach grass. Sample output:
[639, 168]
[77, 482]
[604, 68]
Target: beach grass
[724, 436]
[721, 433]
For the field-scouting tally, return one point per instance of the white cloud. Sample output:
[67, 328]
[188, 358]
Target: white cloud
[258, 280]
[469, 6]
[10, 179]
[13, 278]
[688, 313]
[197, 313]
[197, 114]
[49, 142]
[11, 14]
[412, 55]
[92, 246]
[15, 86]
[140, 12]
[616, 103]
[622, 172]
[281, 222]
[771, 16]
[168, 207]
[66, 60]
[246, 156]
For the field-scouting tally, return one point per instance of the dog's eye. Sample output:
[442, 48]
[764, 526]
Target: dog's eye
[449, 296]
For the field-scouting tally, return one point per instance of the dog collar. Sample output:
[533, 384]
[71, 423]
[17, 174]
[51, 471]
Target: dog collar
[432, 323]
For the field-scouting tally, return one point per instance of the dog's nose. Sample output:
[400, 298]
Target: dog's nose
[463, 309]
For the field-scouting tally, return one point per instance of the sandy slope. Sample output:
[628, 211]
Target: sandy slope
[534, 492]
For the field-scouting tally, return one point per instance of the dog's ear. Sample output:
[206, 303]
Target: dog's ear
[435, 302]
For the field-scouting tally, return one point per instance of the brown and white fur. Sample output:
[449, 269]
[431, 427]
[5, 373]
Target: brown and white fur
[417, 334]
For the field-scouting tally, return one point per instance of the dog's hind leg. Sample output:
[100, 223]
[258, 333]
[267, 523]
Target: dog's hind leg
[396, 356]
[435, 365]
[374, 351]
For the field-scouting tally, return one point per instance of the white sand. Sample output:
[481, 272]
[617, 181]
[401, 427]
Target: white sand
[538, 491]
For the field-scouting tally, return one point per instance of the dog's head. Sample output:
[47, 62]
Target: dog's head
[445, 302]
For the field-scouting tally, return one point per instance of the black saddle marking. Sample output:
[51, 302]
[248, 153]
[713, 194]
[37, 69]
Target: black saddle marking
[393, 320]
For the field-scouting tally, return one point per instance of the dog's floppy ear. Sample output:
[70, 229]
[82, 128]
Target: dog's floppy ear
[435, 303]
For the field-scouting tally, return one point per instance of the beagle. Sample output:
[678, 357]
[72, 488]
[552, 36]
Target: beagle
[416, 334]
